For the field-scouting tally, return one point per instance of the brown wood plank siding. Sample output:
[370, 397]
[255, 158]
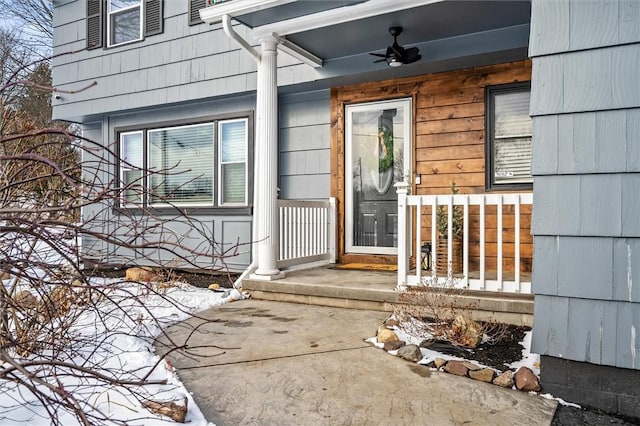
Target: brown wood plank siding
[448, 147]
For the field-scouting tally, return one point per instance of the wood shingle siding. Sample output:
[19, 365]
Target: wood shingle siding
[585, 105]
[304, 146]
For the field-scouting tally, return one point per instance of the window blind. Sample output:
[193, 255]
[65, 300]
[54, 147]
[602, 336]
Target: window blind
[233, 158]
[181, 164]
[512, 138]
[131, 147]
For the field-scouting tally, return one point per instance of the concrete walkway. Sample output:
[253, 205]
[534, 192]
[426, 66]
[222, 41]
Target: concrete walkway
[308, 365]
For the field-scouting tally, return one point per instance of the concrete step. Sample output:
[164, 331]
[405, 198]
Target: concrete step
[373, 290]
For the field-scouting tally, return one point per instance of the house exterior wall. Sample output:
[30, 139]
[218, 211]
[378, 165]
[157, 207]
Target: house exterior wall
[185, 72]
[225, 229]
[585, 105]
[183, 63]
[449, 146]
[304, 146]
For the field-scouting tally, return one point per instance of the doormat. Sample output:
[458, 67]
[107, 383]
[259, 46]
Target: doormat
[368, 267]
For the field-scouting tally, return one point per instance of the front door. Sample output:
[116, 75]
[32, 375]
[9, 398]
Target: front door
[377, 155]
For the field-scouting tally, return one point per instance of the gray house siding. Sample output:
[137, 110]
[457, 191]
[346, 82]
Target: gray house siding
[225, 230]
[184, 63]
[304, 146]
[585, 105]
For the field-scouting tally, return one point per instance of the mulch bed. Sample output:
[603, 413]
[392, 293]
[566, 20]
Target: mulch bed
[200, 279]
[500, 354]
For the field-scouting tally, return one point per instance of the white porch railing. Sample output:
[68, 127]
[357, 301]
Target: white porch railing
[307, 232]
[411, 206]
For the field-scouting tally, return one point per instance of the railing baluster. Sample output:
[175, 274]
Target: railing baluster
[483, 282]
[282, 241]
[299, 232]
[434, 236]
[314, 231]
[517, 243]
[465, 243]
[419, 239]
[499, 226]
[449, 235]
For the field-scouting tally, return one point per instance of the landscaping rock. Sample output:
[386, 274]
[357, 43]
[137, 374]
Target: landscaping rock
[505, 379]
[468, 332]
[456, 367]
[471, 366]
[393, 346]
[442, 346]
[439, 362]
[391, 322]
[25, 300]
[526, 380]
[175, 411]
[410, 353]
[140, 275]
[385, 335]
[484, 375]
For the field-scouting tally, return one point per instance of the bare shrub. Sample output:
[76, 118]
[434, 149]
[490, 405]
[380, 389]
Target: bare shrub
[59, 326]
[440, 309]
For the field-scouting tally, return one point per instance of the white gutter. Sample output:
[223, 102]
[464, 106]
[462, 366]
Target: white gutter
[214, 13]
[285, 45]
[230, 32]
[250, 270]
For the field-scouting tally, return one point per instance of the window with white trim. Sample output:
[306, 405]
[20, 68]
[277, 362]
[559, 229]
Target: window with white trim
[508, 138]
[114, 23]
[131, 166]
[124, 21]
[193, 165]
[232, 173]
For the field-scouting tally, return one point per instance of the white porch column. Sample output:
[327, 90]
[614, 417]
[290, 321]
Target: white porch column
[266, 157]
[404, 240]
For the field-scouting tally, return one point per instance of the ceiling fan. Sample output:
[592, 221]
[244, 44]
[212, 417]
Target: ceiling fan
[397, 55]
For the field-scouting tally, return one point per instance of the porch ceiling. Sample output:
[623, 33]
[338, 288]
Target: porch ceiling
[427, 23]
[449, 33]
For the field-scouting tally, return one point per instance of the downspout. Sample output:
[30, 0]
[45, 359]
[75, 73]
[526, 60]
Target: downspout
[230, 32]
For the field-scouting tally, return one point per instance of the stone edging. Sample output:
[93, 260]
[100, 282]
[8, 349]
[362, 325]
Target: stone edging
[523, 379]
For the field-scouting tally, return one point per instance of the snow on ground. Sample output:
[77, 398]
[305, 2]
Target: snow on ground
[529, 359]
[120, 336]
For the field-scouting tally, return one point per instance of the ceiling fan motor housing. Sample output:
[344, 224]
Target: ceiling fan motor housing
[397, 55]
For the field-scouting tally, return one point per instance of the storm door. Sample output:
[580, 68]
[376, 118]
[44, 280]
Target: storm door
[377, 155]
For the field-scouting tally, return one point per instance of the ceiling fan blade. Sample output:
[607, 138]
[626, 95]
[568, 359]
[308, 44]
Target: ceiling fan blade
[412, 60]
[380, 55]
[411, 55]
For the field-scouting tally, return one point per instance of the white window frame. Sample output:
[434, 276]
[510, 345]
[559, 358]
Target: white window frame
[125, 168]
[180, 203]
[111, 11]
[245, 162]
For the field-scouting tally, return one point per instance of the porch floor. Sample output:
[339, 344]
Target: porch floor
[376, 290]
